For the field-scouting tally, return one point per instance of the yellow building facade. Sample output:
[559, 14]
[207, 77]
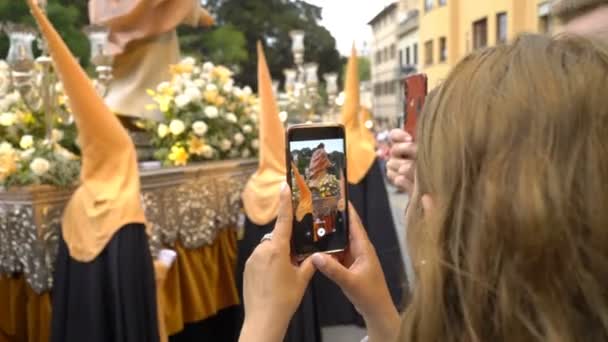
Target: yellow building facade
[450, 29]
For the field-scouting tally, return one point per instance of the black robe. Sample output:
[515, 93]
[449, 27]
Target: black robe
[112, 298]
[324, 304]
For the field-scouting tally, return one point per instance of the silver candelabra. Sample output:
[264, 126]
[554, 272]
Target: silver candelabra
[34, 78]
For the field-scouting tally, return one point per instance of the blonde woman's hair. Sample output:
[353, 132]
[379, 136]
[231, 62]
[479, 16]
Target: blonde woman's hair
[514, 152]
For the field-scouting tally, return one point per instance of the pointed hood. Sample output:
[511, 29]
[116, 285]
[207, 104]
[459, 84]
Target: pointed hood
[109, 194]
[305, 201]
[360, 151]
[261, 194]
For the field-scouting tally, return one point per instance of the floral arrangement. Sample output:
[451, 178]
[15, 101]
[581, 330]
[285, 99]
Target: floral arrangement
[26, 156]
[205, 116]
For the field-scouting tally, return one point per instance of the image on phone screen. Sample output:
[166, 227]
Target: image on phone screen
[318, 195]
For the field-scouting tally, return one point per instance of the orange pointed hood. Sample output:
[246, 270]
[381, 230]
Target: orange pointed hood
[305, 201]
[109, 194]
[261, 194]
[360, 151]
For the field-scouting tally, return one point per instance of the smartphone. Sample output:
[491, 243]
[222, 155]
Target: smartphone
[416, 89]
[316, 172]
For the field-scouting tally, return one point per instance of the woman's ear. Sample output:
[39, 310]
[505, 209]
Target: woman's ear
[428, 205]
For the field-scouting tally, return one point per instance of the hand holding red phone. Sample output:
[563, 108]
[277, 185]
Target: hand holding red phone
[274, 284]
[401, 165]
[361, 278]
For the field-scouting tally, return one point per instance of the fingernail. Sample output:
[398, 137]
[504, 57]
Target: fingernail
[318, 260]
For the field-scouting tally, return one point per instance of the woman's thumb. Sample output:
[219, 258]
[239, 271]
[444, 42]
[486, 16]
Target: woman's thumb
[331, 268]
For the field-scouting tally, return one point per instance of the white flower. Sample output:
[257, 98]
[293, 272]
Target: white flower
[211, 112]
[26, 142]
[193, 93]
[40, 166]
[188, 61]
[59, 87]
[228, 86]
[225, 145]
[182, 100]
[64, 153]
[211, 87]
[6, 148]
[245, 153]
[238, 139]
[56, 135]
[163, 86]
[162, 130]
[196, 70]
[199, 128]
[247, 90]
[247, 129]
[208, 67]
[233, 154]
[13, 98]
[177, 127]
[208, 151]
[7, 119]
[231, 118]
[236, 91]
[27, 154]
[255, 143]
[199, 82]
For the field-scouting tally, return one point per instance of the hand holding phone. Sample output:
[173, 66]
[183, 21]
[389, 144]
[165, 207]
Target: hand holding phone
[316, 169]
[416, 89]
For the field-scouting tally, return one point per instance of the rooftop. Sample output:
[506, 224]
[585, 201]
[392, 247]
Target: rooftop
[388, 9]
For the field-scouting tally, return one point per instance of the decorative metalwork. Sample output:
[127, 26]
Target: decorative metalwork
[190, 205]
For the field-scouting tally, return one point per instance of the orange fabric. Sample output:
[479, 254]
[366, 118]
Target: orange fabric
[305, 200]
[200, 283]
[109, 196]
[160, 273]
[261, 194]
[133, 20]
[24, 315]
[360, 152]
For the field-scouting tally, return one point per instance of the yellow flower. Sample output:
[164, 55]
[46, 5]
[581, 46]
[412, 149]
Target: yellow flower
[222, 73]
[163, 102]
[196, 145]
[27, 117]
[8, 165]
[178, 156]
[219, 101]
[178, 69]
[211, 96]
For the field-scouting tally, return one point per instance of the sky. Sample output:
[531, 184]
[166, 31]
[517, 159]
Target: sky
[347, 20]
[331, 145]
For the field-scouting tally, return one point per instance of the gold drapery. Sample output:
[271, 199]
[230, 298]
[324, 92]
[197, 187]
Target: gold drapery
[200, 283]
[24, 315]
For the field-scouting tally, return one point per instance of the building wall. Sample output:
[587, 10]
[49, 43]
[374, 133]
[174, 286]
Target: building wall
[455, 20]
[384, 74]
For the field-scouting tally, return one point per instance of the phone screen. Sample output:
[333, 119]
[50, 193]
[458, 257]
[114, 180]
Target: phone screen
[317, 169]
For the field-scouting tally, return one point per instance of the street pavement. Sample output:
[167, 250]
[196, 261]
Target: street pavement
[398, 204]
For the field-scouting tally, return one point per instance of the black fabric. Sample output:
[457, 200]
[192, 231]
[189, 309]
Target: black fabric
[220, 328]
[303, 326]
[370, 199]
[110, 299]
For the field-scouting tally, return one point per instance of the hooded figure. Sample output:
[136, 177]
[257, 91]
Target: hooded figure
[261, 200]
[143, 41]
[104, 285]
[367, 193]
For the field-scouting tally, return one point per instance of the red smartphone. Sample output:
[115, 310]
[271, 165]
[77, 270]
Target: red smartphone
[416, 89]
[316, 172]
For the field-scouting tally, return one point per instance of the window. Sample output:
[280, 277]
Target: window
[501, 28]
[442, 2]
[480, 34]
[407, 56]
[378, 57]
[393, 51]
[415, 53]
[400, 58]
[385, 54]
[443, 49]
[428, 52]
[428, 5]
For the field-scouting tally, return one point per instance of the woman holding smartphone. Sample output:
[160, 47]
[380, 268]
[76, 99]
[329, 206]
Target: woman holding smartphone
[507, 224]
